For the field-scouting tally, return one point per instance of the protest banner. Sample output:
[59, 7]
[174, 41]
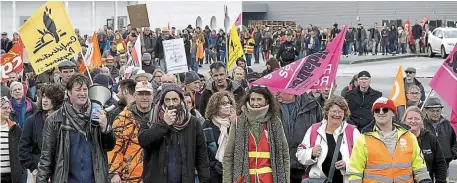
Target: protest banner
[329, 75]
[444, 82]
[398, 94]
[234, 48]
[12, 61]
[175, 56]
[49, 37]
[299, 76]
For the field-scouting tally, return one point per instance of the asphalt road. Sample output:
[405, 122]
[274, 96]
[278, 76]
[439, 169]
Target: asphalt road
[382, 73]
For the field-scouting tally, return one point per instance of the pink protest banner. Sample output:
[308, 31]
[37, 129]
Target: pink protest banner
[329, 75]
[301, 75]
[238, 20]
[445, 80]
[453, 120]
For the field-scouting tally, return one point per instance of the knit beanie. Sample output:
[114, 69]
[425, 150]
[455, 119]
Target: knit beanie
[191, 77]
[102, 79]
[167, 87]
[147, 56]
[383, 102]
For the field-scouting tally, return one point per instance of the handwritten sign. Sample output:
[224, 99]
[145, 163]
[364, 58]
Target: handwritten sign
[49, 37]
[175, 56]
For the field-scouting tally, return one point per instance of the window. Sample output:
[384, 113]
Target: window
[198, 22]
[213, 23]
[450, 34]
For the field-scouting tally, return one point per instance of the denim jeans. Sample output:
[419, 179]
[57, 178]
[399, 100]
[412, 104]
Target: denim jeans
[248, 59]
[393, 46]
[163, 65]
[350, 47]
[222, 56]
[207, 55]
[256, 53]
[345, 48]
[194, 64]
[403, 48]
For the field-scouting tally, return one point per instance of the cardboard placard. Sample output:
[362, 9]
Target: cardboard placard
[138, 15]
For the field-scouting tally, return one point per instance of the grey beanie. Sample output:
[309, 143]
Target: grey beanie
[191, 77]
[147, 56]
[167, 87]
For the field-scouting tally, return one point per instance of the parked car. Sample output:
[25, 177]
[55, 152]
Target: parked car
[442, 41]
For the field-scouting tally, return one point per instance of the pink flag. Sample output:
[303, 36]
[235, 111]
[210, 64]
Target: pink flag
[453, 120]
[301, 75]
[329, 75]
[238, 21]
[445, 80]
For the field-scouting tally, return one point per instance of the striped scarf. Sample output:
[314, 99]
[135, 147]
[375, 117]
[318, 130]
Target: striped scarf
[181, 123]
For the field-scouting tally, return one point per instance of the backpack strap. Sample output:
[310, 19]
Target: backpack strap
[350, 137]
[313, 137]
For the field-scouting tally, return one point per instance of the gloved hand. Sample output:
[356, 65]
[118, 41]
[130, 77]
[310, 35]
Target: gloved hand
[212, 146]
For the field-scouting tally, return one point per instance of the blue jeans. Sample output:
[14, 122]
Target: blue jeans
[248, 59]
[222, 56]
[256, 53]
[350, 47]
[207, 55]
[393, 46]
[194, 64]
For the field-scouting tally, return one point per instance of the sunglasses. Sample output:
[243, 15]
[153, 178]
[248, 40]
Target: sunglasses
[409, 72]
[378, 110]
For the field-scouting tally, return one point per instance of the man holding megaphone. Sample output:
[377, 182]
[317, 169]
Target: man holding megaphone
[75, 138]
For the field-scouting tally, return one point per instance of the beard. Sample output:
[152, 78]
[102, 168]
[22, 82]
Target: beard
[179, 109]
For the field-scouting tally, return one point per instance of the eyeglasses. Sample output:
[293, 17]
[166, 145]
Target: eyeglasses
[226, 103]
[378, 110]
[414, 93]
[409, 72]
[158, 76]
[336, 112]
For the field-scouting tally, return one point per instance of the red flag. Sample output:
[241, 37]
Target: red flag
[238, 20]
[444, 81]
[408, 30]
[424, 20]
[301, 75]
[169, 29]
[329, 75]
[12, 61]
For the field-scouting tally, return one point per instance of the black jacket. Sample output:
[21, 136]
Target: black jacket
[419, 84]
[149, 44]
[155, 142]
[446, 136]
[31, 141]
[158, 50]
[6, 45]
[307, 113]
[286, 53]
[55, 151]
[416, 31]
[433, 156]
[148, 68]
[215, 166]
[14, 134]
[237, 91]
[360, 106]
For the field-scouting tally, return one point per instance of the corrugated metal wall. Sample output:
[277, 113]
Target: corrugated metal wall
[325, 14]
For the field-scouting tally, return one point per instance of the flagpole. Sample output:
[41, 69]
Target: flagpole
[428, 96]
[87, 68]
[331, 90]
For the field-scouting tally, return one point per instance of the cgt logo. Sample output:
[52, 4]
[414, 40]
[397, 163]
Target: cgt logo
[50, 29]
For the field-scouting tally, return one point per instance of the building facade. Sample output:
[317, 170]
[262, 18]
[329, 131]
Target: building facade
[90, 16]
[325, 14]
